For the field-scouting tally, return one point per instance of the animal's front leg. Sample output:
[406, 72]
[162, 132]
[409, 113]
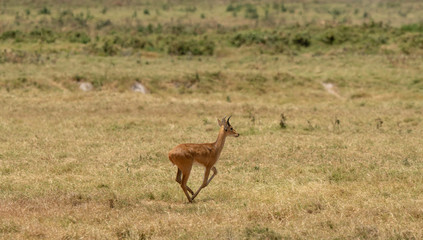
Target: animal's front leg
[214, 174]
[205, 182]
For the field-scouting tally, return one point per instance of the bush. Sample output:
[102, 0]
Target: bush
[411, 41]
[415, 27]
[230, 8]
[66, 13]
[149, 29]
[302, 39]
[283, 8]
[334, 36]
[43, 34]
[139, 43]
[109, 48]
[274, 42]
[82, 19]
[194, 47]
[103, 23]
[79, 37]
[66, 17]
[234, 8]
[251, 12]
[44, 10]
[248, 38]
[13, 34]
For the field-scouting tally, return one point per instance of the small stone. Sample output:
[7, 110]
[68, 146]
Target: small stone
[331, 89]
[86, 86]
[138, 87]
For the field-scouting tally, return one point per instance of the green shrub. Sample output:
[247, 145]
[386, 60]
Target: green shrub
[334, 36]
[44, 10]
[105, 48]
[329, 38]
[335, 12]
[66, 17]
[251, 12]
[103, 23]
[230, 8]
[82, 20]
[248, 38]
[410, 42]
[234, 8]
[302, 39]
[283, 8]
[109, 48]
[139, 43]
[13, 34]
[79, 37]
[274, 42]
[66, 13]
[43, 34]
[415, 27]
[194, 47]
[149, 29]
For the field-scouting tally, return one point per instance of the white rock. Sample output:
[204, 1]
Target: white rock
[138, 87]
[86, 86]
[331, 89]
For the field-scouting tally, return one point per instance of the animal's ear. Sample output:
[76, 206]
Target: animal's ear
[222, 122]
[219, 122]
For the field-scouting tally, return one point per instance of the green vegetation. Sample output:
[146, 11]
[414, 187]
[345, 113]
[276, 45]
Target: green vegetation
[327, 97]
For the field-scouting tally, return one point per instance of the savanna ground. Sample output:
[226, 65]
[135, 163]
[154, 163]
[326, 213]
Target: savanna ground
[94, 164]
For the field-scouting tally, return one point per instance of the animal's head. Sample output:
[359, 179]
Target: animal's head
[227, 127]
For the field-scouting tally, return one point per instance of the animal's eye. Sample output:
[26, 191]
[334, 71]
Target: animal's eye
[232, 129]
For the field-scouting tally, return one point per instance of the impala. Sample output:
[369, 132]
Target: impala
[206, 154]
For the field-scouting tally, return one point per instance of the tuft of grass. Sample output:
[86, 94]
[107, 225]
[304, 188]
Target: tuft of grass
[9, 228]
[262, 233]
[251, 12]
[45, 10]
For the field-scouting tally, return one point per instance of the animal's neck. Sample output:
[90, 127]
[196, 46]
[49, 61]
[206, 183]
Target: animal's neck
[220, 142]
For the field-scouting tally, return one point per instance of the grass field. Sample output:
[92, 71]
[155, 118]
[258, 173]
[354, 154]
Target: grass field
[345, 163]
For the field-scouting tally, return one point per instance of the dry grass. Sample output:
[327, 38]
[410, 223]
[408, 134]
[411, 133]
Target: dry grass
[94, 165]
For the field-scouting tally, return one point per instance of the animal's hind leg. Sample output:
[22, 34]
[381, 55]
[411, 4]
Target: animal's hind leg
[184, 185]
[179, 180]
[178, 176]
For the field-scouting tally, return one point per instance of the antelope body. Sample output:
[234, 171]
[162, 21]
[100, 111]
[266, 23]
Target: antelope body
[206, 154]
